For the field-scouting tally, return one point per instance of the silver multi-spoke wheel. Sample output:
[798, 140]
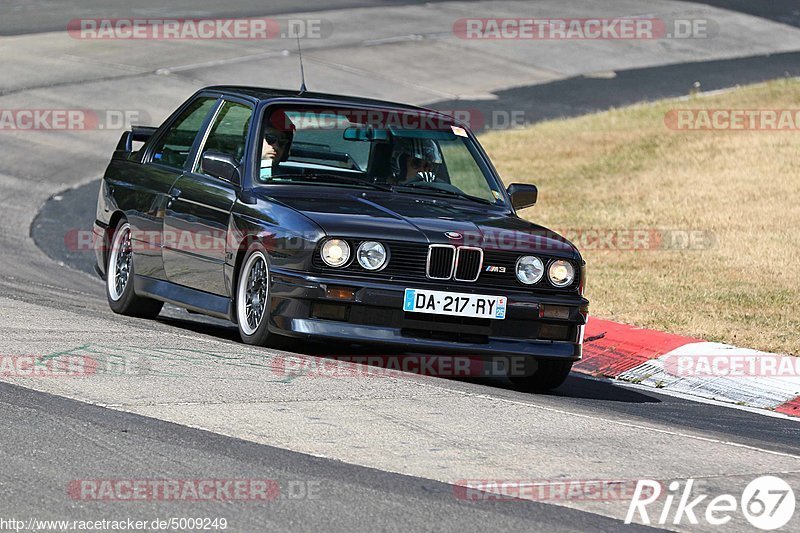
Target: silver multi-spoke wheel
[252, 293]
[119, 269]
[119, 263]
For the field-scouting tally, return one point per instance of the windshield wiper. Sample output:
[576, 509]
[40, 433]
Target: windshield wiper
[332, 178]
[424, 186]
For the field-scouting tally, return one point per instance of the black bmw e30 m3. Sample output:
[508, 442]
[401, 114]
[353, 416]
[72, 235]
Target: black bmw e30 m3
[340, 219]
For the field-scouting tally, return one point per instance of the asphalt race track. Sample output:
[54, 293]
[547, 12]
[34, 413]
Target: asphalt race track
[180, 398]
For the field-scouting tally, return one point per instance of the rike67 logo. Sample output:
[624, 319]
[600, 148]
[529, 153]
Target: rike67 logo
[767, 502]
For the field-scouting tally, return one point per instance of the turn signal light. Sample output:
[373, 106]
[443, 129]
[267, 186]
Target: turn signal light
[340, 293]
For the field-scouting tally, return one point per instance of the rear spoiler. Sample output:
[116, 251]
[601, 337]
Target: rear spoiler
[136, 134]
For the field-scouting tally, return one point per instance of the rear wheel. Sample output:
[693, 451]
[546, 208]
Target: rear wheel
[252, 297]
[119, 278]
[542, 375]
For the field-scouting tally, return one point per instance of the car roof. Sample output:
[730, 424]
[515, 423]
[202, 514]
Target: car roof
[265, 93]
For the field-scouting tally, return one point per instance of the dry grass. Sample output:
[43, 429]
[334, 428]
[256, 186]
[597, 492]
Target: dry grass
[625, 169]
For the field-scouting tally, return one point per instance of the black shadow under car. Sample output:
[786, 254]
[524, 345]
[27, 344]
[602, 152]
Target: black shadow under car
[337, 219]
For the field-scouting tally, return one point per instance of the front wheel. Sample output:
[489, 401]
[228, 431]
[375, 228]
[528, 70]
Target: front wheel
[547, 374]
[119, 278]
[252, 297]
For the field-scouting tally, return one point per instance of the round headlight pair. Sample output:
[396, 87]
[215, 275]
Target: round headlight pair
[530, 270]
[370, 255]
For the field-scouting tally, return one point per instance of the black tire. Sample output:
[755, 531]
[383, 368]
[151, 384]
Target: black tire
[119, 278]
[252, 300]
[543, 375]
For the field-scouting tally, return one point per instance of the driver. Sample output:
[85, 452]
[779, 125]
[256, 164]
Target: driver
[278, 135]
[415, 160]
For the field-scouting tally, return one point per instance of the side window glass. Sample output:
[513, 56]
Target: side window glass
[174, 147]
[228, 133]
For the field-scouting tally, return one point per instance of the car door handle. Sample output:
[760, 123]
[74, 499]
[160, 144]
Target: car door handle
[173, 195]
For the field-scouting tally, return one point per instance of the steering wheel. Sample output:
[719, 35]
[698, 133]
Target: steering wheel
[423, 177]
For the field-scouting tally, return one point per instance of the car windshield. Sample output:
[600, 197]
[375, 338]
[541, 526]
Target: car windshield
[405, 152]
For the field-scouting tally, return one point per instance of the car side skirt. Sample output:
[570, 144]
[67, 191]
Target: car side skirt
[191, 299]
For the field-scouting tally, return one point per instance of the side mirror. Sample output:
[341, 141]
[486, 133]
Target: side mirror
[221, 166]
[522, 195]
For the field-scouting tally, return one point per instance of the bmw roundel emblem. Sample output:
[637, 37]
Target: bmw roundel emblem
[453, 235]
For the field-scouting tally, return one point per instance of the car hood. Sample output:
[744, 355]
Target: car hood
[415, 218]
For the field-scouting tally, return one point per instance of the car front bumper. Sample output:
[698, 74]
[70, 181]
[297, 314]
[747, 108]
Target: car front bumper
[302, 306]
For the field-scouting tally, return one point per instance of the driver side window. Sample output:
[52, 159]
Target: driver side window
[174, 147]
[228, 133]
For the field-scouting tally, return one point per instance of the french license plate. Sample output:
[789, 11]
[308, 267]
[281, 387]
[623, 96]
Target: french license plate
[454, 303]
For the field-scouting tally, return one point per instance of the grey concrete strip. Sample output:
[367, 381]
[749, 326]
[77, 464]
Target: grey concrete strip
[90, 443]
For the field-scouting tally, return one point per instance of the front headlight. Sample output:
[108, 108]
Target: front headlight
[335, 252]
[529, 269]
[561, 273]
[371, 255]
